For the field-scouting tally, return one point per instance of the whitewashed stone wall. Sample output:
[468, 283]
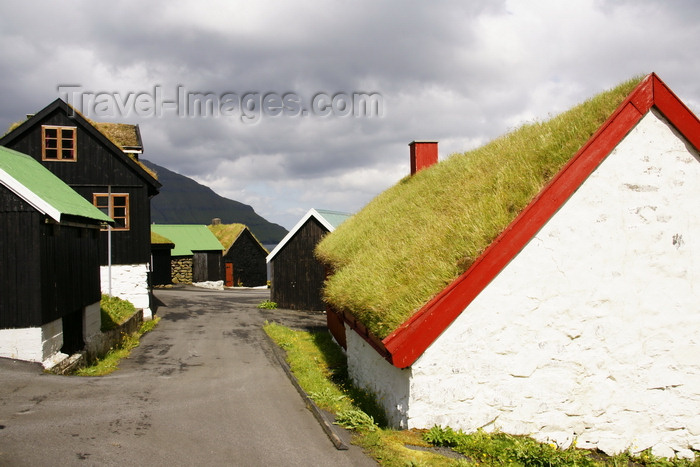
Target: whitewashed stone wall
[592, 332]
[32, 344]
[391, 389]
[129, 282]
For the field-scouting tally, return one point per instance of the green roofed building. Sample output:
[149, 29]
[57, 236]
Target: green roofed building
[544, 284]
[49, 263]
[196, 256]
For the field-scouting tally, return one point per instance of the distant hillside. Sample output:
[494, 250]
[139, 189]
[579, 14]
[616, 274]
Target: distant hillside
[183, 201]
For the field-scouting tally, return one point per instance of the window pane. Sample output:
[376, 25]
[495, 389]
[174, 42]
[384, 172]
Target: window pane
[51, 132]
[51, 154]
[120, 200]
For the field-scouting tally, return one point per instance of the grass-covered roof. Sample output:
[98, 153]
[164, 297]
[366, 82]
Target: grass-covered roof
[157, 239]
[123, 135]
[228, 233]
[415, 238]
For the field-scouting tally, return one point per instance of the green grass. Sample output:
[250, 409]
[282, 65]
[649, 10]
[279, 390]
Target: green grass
[321, 369]
[268, 305]
[114, 311]
[412, 240]
[110, 362]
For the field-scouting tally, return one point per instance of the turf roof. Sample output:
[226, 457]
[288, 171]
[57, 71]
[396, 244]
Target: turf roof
[415, 238]
[157, 239]
[227, 234]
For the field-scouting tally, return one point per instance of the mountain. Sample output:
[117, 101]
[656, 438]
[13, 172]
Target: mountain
[183, 201]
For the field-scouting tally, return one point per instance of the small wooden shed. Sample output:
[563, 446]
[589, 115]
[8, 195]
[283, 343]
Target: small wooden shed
[553, 291]
[244, 256]
[161, 259]
[296, 275]
[196, 256]
[49, 262]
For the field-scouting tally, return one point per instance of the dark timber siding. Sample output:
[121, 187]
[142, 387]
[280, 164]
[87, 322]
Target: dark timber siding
[97, 168]
[160, 262]
[20, 297]
[248, 259]
[48, 271]
[206, 266]
[297, 276]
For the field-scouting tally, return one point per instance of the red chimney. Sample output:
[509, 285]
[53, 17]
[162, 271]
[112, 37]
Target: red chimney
[423, 154]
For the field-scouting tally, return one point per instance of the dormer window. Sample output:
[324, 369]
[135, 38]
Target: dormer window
[58, 143]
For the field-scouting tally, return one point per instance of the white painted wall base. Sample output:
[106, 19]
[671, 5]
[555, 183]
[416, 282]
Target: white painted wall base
[391, 389]
[129, 282]
[32, 344]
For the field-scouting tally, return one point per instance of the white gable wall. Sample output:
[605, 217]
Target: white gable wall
[591, 332]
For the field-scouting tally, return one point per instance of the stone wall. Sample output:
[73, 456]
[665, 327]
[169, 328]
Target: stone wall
[181, 268]
[591, 332]
[97, 345]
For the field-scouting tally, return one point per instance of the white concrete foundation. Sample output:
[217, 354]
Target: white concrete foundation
[32, 344]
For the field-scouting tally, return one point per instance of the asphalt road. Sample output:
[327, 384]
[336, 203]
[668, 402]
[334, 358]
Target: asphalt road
[204, 388]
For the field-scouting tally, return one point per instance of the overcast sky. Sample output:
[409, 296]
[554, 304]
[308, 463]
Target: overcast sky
[459, 72]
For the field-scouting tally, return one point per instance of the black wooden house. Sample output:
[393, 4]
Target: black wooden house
[296, 275]
[243, 257]
[100, 162]
[49, 264]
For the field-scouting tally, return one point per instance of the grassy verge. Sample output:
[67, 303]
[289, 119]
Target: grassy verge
[321, 369]
[110, 362]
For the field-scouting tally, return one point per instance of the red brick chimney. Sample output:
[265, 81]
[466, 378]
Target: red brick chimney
[423, 154]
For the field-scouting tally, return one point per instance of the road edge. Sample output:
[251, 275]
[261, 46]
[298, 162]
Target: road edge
[327, 426]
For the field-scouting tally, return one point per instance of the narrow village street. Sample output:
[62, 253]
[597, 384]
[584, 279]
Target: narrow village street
[204, 388]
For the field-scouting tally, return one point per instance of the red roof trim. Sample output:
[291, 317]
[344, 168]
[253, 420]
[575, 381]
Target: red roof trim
[414, 336]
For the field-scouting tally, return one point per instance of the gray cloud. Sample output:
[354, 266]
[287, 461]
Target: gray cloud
[459, 72]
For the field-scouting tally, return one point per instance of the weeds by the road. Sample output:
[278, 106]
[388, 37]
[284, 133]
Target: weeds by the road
[268, 305]
[110, 362]
[321, 369]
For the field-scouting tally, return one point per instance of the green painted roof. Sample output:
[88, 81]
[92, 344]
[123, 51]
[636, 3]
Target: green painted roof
[415, 238]
[42, 189]
[334, 218]
[188, 238]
